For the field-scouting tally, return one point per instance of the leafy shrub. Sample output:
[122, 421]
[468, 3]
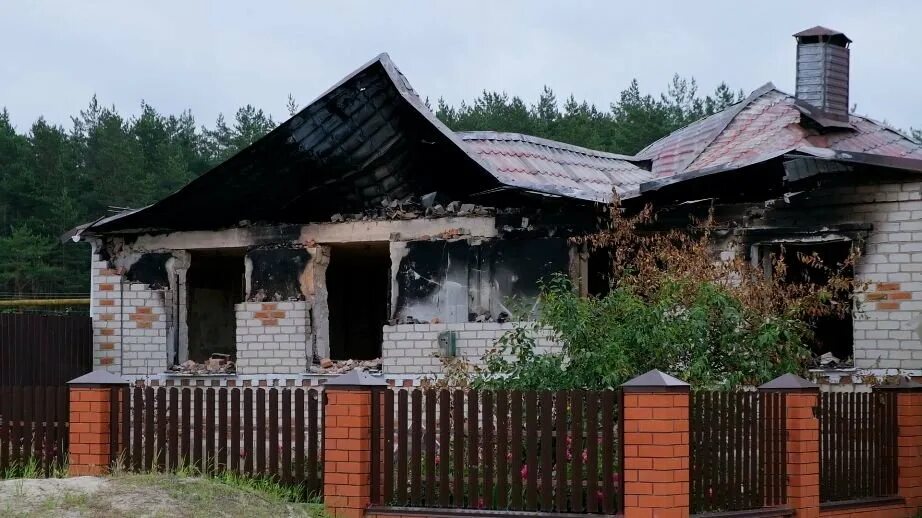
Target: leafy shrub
[673, 305]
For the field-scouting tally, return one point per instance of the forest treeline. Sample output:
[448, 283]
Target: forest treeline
[53, 177]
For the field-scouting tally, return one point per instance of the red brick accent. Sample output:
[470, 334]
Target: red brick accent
[107, 302]
[888, 306]
[145, 325]
[106, 287]
[270, 322]
[144, 310]
[909, 422]
[656, 442]
[89, 431]
[107, 346]
[803, 453]
[106, 317]
[106, 360]
[347, 435]
[888, 286]
[269, 307]
[107, 332]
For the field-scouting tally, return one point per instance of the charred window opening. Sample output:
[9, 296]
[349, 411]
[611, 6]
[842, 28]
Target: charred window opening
[599, 278]
[358, 283]
[832, 341]
[215, 282]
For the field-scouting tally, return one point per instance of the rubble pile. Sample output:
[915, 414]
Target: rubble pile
[502, 318]
[428, 206]
[328, 366]
[216, 364]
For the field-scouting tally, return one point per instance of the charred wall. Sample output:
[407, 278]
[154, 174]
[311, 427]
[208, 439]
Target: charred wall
[274, 273]
[461, 281]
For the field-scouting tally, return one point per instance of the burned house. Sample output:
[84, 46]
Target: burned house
[363, 228]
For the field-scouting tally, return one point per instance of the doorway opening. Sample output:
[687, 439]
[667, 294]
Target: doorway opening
[358, 285]
[214, 282]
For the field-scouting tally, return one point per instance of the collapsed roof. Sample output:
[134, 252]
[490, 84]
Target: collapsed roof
[370, 138]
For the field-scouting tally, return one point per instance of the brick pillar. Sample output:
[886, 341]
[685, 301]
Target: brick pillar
[656, 442]
[347, 443]
[801, 398]
[909, 440]
[88, 449]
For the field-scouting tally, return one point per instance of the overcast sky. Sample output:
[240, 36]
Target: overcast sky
[213, 57]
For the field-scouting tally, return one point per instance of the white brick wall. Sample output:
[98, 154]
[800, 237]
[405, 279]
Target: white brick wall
[411, 348]
[272, 338]
[129, 323]
[886, 334]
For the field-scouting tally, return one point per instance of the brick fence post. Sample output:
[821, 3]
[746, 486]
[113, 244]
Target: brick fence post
[347, 443]
[656, 446]
[801, 398]
[88, 436]
[909, 440]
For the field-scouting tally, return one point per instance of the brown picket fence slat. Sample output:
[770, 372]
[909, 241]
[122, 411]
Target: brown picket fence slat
[527, 451]
[216, 429]
[857, 445]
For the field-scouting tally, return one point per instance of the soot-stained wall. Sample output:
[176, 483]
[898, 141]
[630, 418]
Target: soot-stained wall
[456, 281]
[275, 274]
[150, 269]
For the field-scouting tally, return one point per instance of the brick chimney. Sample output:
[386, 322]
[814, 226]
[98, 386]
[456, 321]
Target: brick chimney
[822, 70]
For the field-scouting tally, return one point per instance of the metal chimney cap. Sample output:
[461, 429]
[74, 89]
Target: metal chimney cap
[824, 33]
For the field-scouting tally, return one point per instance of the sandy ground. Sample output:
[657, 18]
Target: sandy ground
[140, 495]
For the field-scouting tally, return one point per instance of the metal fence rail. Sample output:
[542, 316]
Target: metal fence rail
[272, 432]
[497, 450]
[44, 350]
[858, 457]
[737, 451]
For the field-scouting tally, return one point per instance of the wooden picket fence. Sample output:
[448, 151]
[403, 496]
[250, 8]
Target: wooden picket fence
[858, 445]
[33, 430]
[738, 450]
[260, 432]
[497, 450]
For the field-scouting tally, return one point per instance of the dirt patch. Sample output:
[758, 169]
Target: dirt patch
[141, 496]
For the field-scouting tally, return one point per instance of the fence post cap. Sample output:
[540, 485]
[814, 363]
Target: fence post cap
[655, 381]
[905, 384]
[99, 378]
[356, 378]
[790, 383]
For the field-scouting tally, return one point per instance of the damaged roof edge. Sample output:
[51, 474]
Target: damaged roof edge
[817, 153]
[735, 110]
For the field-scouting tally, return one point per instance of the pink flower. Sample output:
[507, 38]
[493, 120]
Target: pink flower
[243, 453]
[569, 440]
[585, 455]
[524, 471]
[480, 503]
[509, 456]
[437, 459]
[569, 454]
